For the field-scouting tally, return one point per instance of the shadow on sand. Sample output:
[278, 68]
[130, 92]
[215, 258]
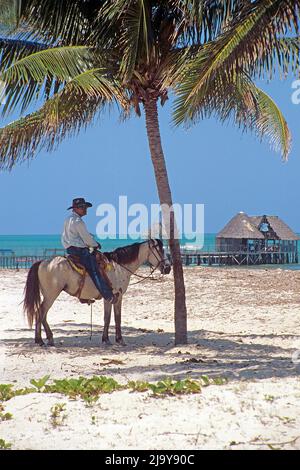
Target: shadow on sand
[235, 357]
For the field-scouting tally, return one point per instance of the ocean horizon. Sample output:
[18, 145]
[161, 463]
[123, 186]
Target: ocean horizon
[37, 245]
[44, 245]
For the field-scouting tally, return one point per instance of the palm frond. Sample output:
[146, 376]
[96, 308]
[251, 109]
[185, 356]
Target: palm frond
[26, 79]
[172, 67]
[61, 62]
[68, 21]
[63, 115]
[272, 124]
[126, 27]
[246, 44]
[136, 37]
[106, 26]
[238, 99]
[45, 129]
[14, 48]
[209, 51]
[287, 53]
[202, 21]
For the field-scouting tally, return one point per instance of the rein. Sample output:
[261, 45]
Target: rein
[144, 278]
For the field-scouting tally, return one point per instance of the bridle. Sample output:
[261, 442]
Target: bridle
[157, 256]
[155, 253]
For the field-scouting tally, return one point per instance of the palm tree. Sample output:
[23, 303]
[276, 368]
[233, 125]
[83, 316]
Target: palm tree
[78, 56]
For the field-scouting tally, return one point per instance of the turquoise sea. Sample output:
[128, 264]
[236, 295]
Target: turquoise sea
[40, 245]
[36, 245]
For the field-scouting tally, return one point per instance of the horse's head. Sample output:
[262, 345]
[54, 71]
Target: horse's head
[156, 256]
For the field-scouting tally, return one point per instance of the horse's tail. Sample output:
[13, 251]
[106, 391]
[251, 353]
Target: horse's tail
[32, 296]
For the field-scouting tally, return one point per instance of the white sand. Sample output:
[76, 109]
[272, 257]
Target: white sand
[243, 325]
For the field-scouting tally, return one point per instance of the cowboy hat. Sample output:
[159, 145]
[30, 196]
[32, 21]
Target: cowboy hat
[79, 202]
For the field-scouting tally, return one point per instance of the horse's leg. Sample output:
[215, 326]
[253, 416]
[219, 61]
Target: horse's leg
[107, 314]
[38, 330]
[117, 312]
[46, 305]
[41, 319]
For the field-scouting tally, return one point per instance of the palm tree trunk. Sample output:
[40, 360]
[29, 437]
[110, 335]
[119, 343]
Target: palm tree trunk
[165, 197]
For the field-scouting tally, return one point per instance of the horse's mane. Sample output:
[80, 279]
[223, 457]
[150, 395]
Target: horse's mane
[126, 254]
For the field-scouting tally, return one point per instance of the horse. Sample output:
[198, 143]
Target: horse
[51, 277]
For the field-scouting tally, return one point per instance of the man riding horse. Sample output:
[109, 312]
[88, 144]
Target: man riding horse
[78, 242]
[46, 279]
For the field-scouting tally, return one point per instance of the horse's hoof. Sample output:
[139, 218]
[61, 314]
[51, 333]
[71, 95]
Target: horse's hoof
[51, 342]
[120, 342]
[40, 342]
[106, 342]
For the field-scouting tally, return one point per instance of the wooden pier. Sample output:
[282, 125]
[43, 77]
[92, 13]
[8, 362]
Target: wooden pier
[189, 258]
[238, 258]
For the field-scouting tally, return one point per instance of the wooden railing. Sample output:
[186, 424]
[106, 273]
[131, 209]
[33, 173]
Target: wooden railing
[239, 258]
[18, 262]
[188, 258]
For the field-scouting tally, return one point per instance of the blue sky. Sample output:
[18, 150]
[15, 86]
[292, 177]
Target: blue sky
[213, 164]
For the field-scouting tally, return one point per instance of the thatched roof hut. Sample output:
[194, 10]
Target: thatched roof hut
[239, 227]
[279, 228]
[253, 233]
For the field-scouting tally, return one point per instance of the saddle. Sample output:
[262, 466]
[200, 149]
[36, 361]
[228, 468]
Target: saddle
[104, 265]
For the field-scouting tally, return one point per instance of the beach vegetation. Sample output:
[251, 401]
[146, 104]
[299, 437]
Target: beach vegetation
[4, 445]
[73, 60]
[87, 389]
[90, 389]
[269, 398]
[218, 381]
[7, 391]
[40, 384]
[4, 416]
[168, 386]
[57, 414]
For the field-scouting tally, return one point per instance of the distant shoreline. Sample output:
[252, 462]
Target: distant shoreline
[36, 244]
[45, 245]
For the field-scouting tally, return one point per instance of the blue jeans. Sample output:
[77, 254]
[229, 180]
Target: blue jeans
[88, 260]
